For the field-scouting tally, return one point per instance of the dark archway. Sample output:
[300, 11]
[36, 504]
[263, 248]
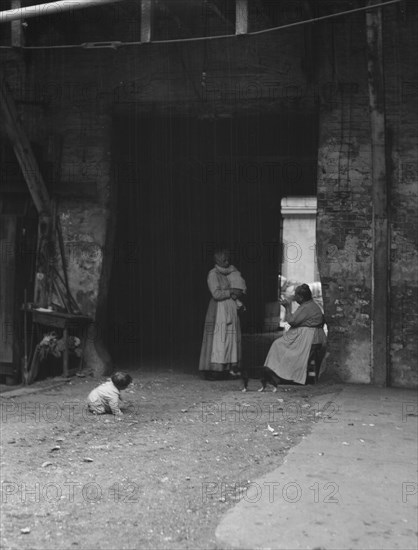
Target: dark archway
[186, 185]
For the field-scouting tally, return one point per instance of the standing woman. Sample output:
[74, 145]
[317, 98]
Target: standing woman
[221, 346]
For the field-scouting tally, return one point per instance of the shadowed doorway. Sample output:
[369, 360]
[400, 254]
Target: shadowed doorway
[186, 185]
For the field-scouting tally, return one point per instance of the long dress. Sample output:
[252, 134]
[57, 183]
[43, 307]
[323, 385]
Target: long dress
[288, 355]
[221, 346]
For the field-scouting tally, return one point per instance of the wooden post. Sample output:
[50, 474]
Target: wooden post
[380, 267]
[241, 16]
[44, 259]
[65, 357]
[146, 20]
[17, 39]
[23, 151]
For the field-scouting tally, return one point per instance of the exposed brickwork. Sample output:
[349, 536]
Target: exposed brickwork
[74, 94]
[344, 203]
[78, 92]
[345, 238]
[402, 125]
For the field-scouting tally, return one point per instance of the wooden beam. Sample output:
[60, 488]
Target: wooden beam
[146, 20]
[39, 10]
[380, 266]
[241, 16]
[17, 38]
[37, 189]
[23, 151]
[44, 257]
[8, 233]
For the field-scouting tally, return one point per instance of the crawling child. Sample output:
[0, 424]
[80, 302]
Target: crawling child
[106, 397]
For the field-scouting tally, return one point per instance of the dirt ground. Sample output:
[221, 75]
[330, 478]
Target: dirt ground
[185, 452]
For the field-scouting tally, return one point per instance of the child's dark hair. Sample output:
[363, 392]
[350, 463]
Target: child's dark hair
[121, 380]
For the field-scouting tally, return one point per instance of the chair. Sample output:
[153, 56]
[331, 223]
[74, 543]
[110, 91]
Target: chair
[316, 356]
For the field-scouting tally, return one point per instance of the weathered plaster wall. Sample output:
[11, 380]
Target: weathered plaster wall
[344, 201]
[345, 240]
[84, 234]
[73, 134]
[402, 125]
[80, 91]
[84, 89]
[72, 95]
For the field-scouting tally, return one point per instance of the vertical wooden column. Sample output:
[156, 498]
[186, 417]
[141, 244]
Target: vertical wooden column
[380, 278]
[8, 234]
[65, 355]
[146, 20]
[17, 39]
[241, 17]
[44, 258]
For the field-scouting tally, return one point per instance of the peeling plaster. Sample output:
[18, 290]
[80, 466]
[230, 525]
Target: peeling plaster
[84, 231]
[358, 363]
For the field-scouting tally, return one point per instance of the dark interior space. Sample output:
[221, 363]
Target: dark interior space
[185, 186]
[18, 233]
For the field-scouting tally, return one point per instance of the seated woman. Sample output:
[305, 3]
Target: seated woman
[288, 355]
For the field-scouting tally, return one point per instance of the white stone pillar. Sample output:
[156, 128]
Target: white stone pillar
[299, 239]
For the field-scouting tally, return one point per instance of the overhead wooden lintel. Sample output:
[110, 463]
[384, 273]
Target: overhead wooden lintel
[49, 8]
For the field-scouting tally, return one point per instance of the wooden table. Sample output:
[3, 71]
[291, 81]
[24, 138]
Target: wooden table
[65, 321]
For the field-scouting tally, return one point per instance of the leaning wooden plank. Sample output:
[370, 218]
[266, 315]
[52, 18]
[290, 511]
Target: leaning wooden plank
[23, 151]
[49, 8]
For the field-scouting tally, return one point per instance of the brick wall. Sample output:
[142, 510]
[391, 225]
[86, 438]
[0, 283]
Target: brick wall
[74, 94]
[79, 91]
[345, 240]
[401, 47]
[344, 199]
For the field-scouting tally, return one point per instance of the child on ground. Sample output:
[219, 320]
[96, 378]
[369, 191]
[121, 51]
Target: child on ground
[106, 397]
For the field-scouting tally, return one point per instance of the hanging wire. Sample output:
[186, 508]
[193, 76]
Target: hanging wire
[117, 44]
